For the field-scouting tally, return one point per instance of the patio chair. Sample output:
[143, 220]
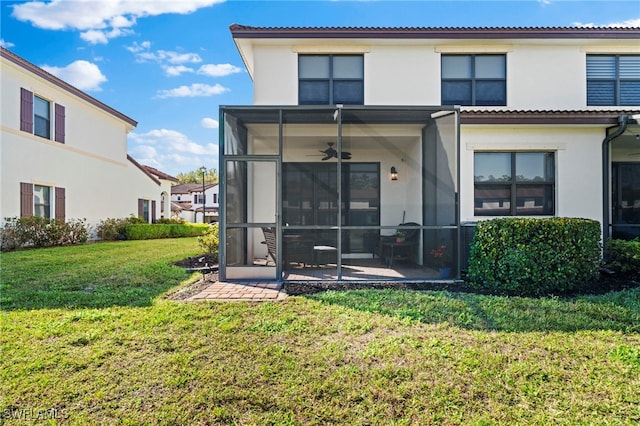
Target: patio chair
[390, 250]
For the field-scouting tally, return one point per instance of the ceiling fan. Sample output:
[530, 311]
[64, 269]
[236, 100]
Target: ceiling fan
[330, 153]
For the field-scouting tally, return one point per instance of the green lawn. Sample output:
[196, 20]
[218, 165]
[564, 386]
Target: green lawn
[88, 338]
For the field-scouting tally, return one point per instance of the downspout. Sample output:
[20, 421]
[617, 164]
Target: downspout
[623, 121]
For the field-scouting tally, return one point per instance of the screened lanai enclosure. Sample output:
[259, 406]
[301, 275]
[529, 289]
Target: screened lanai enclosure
[339, 193]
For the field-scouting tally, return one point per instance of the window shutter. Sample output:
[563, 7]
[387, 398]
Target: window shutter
[26, 110]
[140, 207]
[153, 211]
[26, 199]
[60, 204]
[59, 123]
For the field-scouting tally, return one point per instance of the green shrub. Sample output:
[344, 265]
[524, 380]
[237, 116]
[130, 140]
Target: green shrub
[112, 229]
[209, 242]
[170, 221]
[530, 256]
[35, 231]
[623, 257]
[145, 231]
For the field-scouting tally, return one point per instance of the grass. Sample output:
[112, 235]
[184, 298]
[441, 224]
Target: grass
[352, 357]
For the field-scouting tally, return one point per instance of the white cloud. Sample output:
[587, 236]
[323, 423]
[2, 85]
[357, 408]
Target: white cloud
[171, 151]
[100, 21]
[195, 90]
[219, 70]
[628, 23]
[173, 71]
[81, 74]
[138, 47]
[6, 44]
[209, 123]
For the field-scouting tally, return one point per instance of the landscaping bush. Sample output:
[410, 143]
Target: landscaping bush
[34, 231]
[623, 257]
[112, 229]
[528, 256]
[140, 231]
[168, 221]
[210, 241]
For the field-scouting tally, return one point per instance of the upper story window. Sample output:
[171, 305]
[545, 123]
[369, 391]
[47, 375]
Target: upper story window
[613, 80]
[35, 116]
[330, 79]
[474, 80]
[514, 183]
[41, 117]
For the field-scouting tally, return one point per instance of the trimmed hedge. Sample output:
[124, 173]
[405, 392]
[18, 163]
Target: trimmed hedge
[623, 257]
[531, 256]
[145, 231]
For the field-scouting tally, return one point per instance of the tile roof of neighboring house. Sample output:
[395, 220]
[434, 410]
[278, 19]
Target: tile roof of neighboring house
[209, 209]
[474, 115]
[176, 207]
[160, 175]
[10, 56]
[246, 31]
[186, 188]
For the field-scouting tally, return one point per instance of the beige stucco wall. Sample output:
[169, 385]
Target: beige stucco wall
[541, 74]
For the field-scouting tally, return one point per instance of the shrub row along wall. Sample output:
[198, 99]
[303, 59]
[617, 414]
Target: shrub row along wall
[529, 256]
[139, 231]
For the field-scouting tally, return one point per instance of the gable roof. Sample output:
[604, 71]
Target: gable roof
[187, 188]
[246, 31]
[33, 69]
[160, 175]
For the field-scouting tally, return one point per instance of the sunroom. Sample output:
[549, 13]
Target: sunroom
[339, 193]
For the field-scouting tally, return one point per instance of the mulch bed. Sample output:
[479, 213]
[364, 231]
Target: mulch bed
[605, 284]
[196, 287]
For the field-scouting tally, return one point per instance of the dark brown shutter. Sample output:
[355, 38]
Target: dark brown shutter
[195, 198]
[26, 110]
[153, 211]
[140, 207]
[60, 113]
[60, 204]
[26, 199]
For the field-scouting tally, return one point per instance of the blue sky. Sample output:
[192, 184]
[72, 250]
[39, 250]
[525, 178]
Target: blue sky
[169, 64]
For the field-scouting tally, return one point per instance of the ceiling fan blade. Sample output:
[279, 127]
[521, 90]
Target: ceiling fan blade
[346, 156]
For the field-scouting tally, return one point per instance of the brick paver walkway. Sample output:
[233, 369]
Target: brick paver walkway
[245, 292]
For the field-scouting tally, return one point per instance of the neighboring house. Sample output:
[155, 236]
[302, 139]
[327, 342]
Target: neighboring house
[187, 198]
[166, 182]
[63, 153]
[356, 130]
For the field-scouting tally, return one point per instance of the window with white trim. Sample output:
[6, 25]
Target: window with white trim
[36, 116]
[514, 183]
[42, 201]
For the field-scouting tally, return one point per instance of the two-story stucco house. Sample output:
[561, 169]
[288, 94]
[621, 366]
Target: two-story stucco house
[188, 196]
[166, 183]
[63, 153]
[354, 131]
